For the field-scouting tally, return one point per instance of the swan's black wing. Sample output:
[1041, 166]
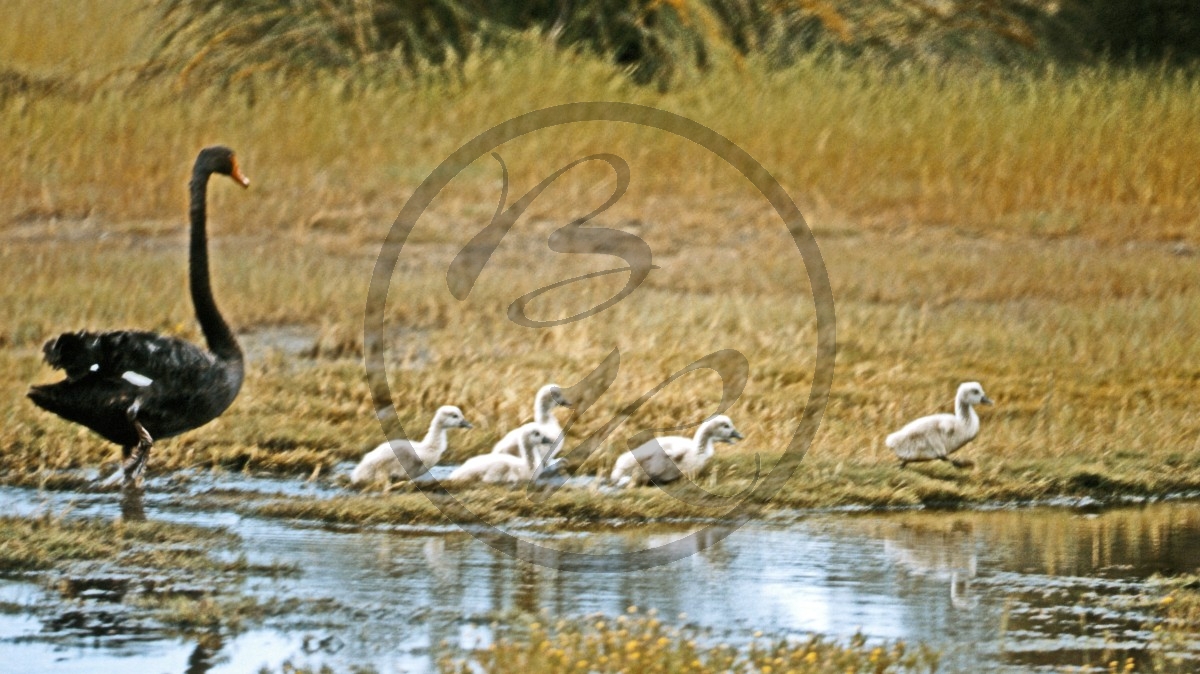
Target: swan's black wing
[175, 385]
[113, 354]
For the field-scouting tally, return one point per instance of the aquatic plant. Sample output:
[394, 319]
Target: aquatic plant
[637, 642]
[1175, 602]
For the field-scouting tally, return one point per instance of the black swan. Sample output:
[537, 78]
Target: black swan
[132, 387]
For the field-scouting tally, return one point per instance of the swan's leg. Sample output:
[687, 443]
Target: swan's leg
[957, 463]
[135, 461]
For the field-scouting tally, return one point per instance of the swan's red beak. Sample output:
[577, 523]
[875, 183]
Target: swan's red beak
[236, 174]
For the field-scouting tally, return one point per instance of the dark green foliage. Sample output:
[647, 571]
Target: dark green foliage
[1145, 31]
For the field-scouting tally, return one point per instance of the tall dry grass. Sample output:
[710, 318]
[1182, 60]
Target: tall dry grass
[234, 43]
[1034, 232]
[1101, 153]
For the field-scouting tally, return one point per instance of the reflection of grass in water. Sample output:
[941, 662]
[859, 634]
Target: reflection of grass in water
[167, 571]
[637, 643]
[48, 542]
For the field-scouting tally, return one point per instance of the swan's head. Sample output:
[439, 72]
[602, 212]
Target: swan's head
[554, 393]
[220, 159]
[535, 438]
[450, 416]
[721, 429]
[972, 393]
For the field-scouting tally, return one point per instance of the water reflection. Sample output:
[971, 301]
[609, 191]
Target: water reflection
[993, 590]
[944, 555]
[133, 505]
[205, 654]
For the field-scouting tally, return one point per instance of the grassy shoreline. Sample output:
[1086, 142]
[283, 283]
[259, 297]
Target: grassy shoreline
[1107, 411]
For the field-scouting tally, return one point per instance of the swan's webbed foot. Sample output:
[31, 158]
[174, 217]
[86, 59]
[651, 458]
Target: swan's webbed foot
[960, 463]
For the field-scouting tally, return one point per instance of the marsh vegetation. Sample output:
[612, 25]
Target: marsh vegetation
[1033, 231]
[1035, 228]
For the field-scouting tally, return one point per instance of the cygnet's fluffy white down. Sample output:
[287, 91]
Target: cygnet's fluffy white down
[548, 397]
[668, 458]
[403, 459]
[503, 468]
[382, 463]
[937, 436]
[492, 468]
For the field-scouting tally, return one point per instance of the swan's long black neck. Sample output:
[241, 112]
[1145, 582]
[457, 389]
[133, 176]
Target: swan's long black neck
[220, 338]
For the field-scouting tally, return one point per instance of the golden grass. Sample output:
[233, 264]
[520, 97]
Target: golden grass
[88, 37]
[1036, 233]
[1102, 153]
[1175, 605]
[642, 643]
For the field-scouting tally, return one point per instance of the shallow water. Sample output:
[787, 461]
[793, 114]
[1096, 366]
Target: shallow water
[1012, 589]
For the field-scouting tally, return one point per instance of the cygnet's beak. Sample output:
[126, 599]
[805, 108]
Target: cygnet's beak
[986, 400]
[465, 424]
[562, 400]
[735, 435]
